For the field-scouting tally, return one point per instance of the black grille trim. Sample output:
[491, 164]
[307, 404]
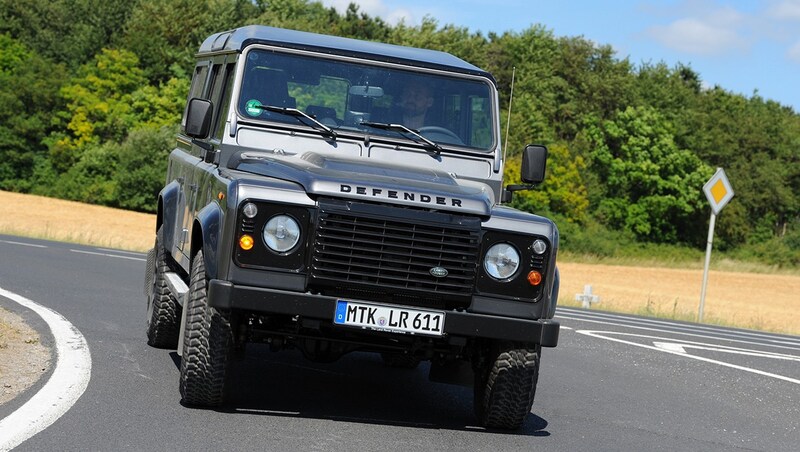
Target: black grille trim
[385, 253]
[248, 225]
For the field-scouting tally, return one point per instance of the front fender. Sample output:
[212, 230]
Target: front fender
[169, 197]
[551, 311]
[206, 234]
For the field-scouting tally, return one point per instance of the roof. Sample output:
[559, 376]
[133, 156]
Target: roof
[239, 38]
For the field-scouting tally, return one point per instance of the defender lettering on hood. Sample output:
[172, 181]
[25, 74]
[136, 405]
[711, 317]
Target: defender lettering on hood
[397, 194]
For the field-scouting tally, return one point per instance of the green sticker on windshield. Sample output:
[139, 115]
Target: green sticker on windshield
[252, 107]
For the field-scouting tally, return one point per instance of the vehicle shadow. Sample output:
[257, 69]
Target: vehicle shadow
[359, 387]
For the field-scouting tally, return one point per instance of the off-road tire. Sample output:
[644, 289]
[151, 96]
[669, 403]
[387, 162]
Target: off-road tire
[505, 385]
[207, 344]
[163, 310]
[401, 361]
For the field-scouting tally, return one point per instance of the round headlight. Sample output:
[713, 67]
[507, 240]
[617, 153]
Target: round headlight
[501, 261]
[281, 233]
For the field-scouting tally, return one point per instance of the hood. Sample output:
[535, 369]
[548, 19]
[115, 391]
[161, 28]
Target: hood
[371, 181]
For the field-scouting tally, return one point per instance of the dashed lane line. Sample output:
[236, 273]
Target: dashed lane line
[109, 255]
[65, 386]
[33, 245]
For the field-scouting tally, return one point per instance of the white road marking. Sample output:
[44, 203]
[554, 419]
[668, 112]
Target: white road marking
[109, 255]
[601, 335]
[681, 348]
[670, 331]
[23, 244]
[122, 252]
[67, 383]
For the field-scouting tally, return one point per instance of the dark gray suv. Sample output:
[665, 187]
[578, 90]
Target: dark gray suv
[304, 209]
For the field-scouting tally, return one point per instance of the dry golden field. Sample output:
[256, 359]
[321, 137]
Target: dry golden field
[748, 300]
[745, 299]
[74, 222]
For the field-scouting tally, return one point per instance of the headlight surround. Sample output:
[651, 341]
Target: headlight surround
[281, 233]
[502, 261]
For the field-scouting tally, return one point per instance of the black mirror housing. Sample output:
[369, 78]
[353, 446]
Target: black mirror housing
[198, 118]
[534, 163]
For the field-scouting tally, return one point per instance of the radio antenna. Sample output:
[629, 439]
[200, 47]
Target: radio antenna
[510, 101]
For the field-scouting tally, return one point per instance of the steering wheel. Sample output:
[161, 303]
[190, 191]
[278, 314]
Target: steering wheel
[433, 130]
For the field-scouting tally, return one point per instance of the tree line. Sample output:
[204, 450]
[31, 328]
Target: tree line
[91, 92]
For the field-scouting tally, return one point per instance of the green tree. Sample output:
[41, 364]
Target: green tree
[99, 105]
[646, 185]
[758, 144]
[141, 167]
[29, 87]
[165, 34]
[588, 82]
[562, 192]
[70, 32]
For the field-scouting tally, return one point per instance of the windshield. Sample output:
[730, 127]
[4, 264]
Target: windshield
[357, 96]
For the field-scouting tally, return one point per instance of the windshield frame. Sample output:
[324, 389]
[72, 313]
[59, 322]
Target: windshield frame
[365, 134]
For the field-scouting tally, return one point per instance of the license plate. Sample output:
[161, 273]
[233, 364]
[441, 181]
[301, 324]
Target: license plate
[392, 319]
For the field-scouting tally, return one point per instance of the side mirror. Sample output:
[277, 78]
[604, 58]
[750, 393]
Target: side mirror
[534, 162]
[198, 118]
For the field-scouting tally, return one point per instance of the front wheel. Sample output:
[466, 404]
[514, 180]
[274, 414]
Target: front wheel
[505, 385]
[207, 344]
[163, 310]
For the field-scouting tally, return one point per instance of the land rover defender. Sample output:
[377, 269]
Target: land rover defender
[300, 210]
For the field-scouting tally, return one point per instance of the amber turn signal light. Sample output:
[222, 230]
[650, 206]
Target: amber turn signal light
[246, 242]
[534, 278]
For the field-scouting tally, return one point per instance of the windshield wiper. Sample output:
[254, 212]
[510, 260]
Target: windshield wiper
[403, 129]
[327, 131]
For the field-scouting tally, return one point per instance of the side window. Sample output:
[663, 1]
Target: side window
[196, 90]
[216, 81]
[225, 102]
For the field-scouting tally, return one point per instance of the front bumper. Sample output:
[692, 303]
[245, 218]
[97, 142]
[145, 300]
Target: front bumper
[226, 295]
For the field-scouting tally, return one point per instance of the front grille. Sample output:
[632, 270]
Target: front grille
[386, 254]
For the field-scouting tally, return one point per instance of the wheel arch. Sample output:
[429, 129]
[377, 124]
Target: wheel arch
[168, 212]
[205, 236]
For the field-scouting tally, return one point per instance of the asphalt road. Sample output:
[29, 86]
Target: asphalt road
[613, 383]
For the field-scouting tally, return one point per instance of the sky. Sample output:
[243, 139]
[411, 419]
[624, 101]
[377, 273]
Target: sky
[747, 47]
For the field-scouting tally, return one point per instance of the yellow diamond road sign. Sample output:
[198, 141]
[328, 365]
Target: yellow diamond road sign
[718, 191]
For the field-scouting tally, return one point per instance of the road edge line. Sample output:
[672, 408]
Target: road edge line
[65, 386]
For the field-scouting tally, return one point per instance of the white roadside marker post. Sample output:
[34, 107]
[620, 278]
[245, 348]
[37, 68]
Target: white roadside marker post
[587, 298]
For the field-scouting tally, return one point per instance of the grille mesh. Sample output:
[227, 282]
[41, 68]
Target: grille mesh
[389, 258]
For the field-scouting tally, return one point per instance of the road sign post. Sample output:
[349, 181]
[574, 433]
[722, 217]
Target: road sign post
[718, 192]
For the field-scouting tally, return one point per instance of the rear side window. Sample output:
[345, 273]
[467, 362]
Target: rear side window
[196, 90]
